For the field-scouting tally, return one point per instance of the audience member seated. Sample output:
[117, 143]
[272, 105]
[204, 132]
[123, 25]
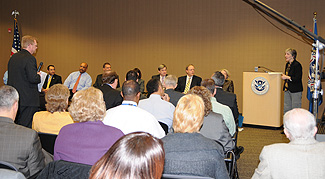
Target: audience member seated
[229, 84]
[140, 81]
[52, 120]
[128, 117]
[162, 74]
[217, 107]
[303, 157]
[112, 97]
[171, 84]
[20, 146]
[137, 155]
[157, 104]
[89, 139]
[225, 97]
[133, 75]
[214, 126]
[187, 152]
[106, 68]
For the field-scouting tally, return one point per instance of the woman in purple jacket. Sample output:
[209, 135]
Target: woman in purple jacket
[89, 139]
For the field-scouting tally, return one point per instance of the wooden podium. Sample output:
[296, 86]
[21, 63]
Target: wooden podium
[262, 98]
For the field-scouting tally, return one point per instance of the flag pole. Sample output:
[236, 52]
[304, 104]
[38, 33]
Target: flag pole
[15, 13]
[319, 46]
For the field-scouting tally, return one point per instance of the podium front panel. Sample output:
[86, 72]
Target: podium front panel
[262, 93]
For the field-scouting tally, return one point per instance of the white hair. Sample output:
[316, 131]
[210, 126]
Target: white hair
[8, 97]
[299, 123]
[170, 80]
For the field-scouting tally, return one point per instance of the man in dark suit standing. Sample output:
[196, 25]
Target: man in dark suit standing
[171, 84]
[185, 83]
[112, 97]
[51, 78]
[20, 146]
[225, 97]
[23, 75]
[162, 70]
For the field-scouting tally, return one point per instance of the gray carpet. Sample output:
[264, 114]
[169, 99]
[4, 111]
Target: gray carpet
[253, 140]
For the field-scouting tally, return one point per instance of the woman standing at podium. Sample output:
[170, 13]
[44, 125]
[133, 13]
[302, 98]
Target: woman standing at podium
[292, 86]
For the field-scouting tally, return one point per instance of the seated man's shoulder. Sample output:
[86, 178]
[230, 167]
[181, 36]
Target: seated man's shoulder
[215, 115]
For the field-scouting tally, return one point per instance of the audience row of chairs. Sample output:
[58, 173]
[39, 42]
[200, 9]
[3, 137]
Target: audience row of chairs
[59, 169]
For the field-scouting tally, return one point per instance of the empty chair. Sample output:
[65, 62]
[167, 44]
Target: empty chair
[47, 141]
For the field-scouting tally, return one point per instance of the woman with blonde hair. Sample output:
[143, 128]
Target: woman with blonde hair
[187, 152]
[88, 139]
[56, 116]
[135, 156]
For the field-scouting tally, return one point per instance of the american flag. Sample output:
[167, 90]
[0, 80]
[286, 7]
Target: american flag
[16, 42]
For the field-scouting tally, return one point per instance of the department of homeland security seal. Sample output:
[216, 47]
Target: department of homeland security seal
[260, 85]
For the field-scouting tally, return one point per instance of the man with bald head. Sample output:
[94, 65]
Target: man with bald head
[303, 157]
[78, 80]
[128, 117]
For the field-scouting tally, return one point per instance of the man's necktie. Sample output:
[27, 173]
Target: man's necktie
[187, 87]
[76, 84]
[48, 82]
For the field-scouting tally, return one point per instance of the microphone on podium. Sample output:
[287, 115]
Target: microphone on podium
[40, 66]
[266, 69]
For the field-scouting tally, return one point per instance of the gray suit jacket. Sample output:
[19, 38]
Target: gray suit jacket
[174, 96]
[21, 147]
[193, 154]
[297, 159]
[214, 127]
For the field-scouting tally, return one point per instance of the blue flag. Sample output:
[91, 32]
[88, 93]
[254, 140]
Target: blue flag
[311, 75]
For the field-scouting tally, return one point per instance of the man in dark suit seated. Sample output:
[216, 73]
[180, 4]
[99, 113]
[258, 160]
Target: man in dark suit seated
[162, 70]
[225, 97]
[185, 83]
[20, 146]
[112, 97]
[51, 78]
[170, 84]
[106, 68]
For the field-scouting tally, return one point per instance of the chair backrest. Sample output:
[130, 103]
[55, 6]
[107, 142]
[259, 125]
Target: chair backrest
[172, 176]
[164, 126]
[7, 173]
[6, 165]
[65, 169]
[47, 141]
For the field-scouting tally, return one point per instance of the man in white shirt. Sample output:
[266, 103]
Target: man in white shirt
[128, 117]
[157, 104]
